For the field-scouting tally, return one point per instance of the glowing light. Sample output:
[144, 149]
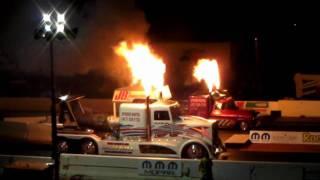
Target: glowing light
[46, 18]
[208, 71]
[146, 67]
[47, 28]
[60, 27]
[61, 18]
[64, 98]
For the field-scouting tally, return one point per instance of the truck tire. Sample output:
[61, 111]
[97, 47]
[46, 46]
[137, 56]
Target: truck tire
[194, 151]
[244, 126]
[63, 145]
[88, 146]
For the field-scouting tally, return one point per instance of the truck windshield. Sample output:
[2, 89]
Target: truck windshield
[176, 113]
[77, 108]
[229, 105]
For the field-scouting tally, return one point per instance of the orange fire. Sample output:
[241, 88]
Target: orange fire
[208, 71]
[146, 67]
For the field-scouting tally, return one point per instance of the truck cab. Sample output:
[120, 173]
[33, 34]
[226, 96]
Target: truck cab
[72, 115]
[161, 113]
[222, 109]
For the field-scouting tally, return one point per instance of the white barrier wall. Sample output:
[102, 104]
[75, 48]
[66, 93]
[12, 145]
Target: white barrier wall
[288, 108]
[291, 108]
[115, 167]
[111, 167]
[284, 137]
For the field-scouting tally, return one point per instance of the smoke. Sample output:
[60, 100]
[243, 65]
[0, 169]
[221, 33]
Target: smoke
[102, 25]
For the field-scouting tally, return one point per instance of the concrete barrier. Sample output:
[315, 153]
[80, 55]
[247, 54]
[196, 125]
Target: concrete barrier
[25, 162]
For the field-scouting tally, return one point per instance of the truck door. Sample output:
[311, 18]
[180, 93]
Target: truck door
[226, 109]
[162, 123]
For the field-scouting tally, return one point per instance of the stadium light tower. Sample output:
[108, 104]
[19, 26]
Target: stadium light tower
[53, 27]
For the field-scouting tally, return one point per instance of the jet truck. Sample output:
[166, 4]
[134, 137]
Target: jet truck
[221, 106]
[143, 127]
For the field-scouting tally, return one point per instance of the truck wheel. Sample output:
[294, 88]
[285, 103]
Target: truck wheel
[194, 151]
[244, 126]
[63, 146]
[88, 146]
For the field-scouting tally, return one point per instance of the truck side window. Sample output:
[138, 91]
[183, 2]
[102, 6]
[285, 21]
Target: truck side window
[161, 115]
[229, 105]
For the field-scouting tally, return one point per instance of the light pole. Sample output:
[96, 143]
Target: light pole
[50, 29]
[55, 153]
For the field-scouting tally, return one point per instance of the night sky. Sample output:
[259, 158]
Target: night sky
[270, 41]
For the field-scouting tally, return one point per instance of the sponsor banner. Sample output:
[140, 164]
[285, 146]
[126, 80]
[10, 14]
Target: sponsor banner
[118, 147]
[130, 116]
[257, 104]
[285, 137]
[159, 168]
[123, 95]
